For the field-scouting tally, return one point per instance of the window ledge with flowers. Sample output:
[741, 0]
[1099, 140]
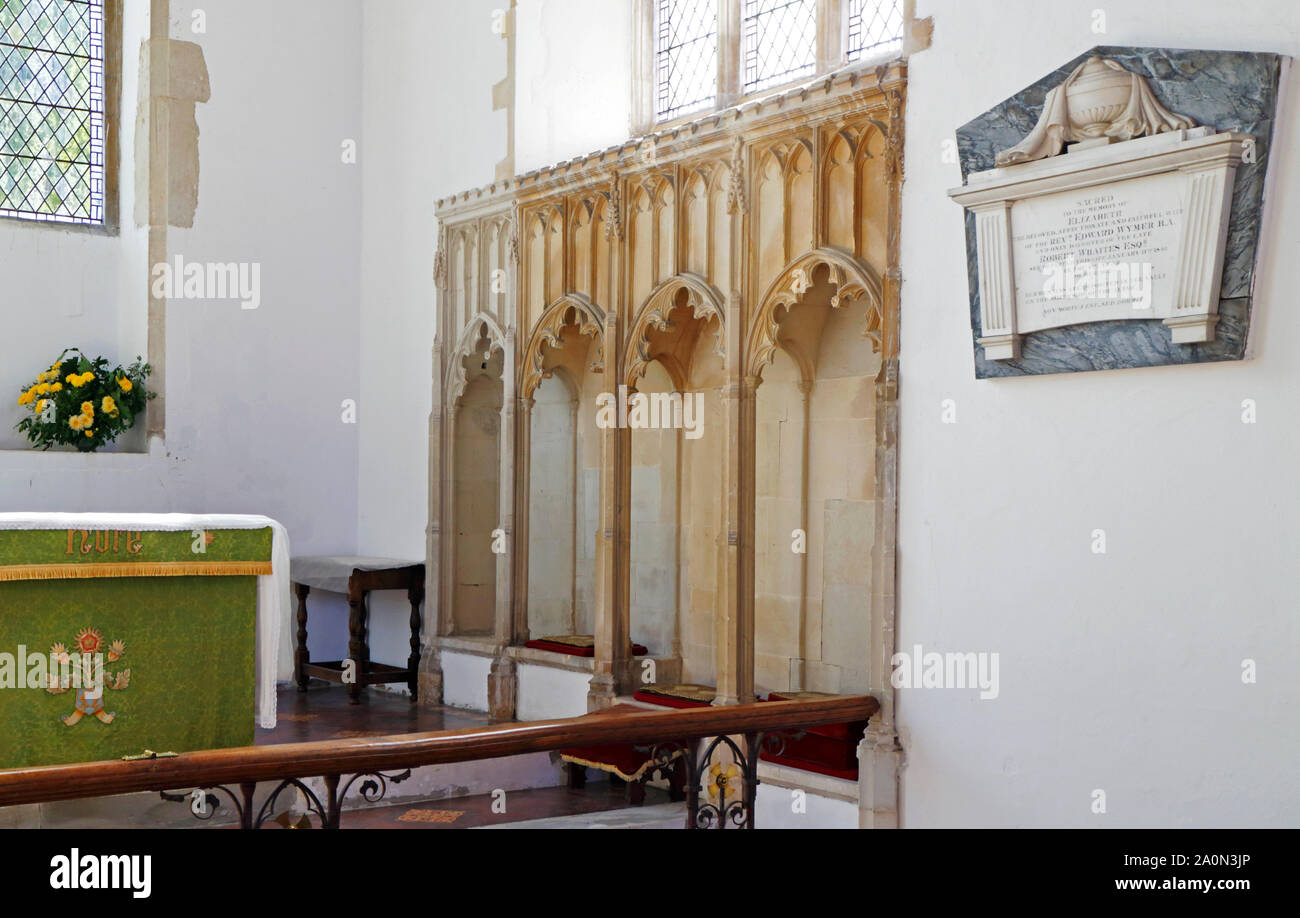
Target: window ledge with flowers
[82, 406]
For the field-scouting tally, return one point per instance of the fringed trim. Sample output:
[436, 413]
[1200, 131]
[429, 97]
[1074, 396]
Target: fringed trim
[612, 769]
[17, 572]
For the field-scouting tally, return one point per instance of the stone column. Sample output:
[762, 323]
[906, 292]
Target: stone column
[523, 498]
[430, 675]
[805, 476]
[735, 585]
[880, 760]
[447, 536]
[576, 547]
[501, 677]
[612, 662]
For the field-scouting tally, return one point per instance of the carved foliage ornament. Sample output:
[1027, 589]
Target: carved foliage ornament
[614, 224]
[1100, 99]
[737, 202]
[440, 258]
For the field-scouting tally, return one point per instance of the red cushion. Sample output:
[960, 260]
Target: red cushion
[638, 650]
[621, 757]
[848, 732]
[849, 774]
[828, 749]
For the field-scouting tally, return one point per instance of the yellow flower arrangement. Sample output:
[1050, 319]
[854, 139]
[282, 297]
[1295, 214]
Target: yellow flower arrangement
[83, 402]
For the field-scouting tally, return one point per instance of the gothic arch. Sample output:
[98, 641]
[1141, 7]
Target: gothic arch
[852, 279]
[590, 320]
[482, 325]
[701, 298]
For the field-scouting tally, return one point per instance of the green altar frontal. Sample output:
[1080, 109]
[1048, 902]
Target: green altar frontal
[114, 642]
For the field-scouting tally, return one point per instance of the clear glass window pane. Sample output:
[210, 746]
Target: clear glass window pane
[779, 41]
[52, 110]
[686, 56]
[875, 28]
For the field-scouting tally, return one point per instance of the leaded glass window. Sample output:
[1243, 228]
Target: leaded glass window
[875, 27]
[686, 56]
[779, 41]
[52, 121]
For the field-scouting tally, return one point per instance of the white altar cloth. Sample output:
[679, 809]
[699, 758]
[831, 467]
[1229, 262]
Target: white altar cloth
[274, 628]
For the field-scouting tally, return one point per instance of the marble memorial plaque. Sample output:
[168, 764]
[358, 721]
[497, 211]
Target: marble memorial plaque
[1098, 254]
[1113, 211]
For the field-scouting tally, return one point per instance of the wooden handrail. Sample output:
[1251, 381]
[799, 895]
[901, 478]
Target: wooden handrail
[408, 750]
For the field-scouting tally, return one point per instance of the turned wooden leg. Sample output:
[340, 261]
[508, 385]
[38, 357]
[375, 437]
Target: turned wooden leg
[636, 792]
[677, 781]
[301, 656]
[416, 595]
[358, 650]
[577, 776]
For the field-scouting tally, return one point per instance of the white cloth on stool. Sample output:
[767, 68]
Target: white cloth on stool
[332, 572]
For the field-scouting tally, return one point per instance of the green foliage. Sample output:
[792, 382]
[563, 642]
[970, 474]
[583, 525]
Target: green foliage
[83, 403]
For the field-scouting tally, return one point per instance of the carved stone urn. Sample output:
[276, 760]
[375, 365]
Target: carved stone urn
[1097, 98]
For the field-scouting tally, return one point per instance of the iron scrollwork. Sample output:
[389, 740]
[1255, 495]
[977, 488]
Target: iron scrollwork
[206, 801]
[723, 792]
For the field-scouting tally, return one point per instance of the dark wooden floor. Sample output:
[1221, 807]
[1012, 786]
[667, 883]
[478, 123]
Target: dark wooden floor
[324, 713]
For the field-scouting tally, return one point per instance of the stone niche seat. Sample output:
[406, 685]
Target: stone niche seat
[575, 645]
[828, 749]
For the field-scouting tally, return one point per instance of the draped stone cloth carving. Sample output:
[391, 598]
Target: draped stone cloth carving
[1059, 122]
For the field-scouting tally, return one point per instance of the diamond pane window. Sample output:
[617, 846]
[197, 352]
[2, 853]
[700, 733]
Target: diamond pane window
[875, 28]
[52, 128]
[686, 56]
[780, 41]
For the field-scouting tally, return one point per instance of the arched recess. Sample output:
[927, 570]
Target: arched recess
[815, 348]
[674, 365]
[475, 396]
[574, 310]
[852, 281]
[559, 473]
[701, 305]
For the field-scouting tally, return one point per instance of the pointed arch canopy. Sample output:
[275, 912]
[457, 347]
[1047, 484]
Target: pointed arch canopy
[853, 280]
[481, 326]
[570, 309]
[701, 298]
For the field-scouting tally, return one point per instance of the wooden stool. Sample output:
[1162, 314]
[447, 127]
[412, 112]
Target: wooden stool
[356, 578]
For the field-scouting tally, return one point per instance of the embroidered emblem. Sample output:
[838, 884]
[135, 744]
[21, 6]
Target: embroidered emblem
[84, 671]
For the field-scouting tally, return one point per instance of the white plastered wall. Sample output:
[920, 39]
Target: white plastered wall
[1118, 672]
